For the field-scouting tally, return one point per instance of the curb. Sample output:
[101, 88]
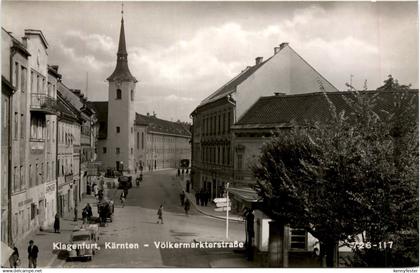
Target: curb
[192, 201]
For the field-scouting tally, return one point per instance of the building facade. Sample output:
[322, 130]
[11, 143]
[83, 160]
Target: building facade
[31, 136]
[212, 150]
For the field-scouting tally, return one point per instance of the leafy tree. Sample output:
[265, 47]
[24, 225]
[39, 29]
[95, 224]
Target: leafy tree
[354, 172]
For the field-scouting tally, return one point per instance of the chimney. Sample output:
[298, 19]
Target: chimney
[282, 45]
[279, 94]
[148, 114]
[276, 49]
[154, 114]
[258, 60]
[55, 67]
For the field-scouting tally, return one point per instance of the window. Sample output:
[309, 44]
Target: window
[104, 150]
[138, 140]
[218, 124]
[33, 82]
[118, 129]
[15, 178]
[48, 130]
[132, 150]
[240, 163]
[118, 94]
[228, 122]
[22, 126]
[16, 131]
[142, 140]
[30, 175]
[132, 95]
[53, 131]
[16, 79]
[23, 79]
[132, 130]
[117, 151]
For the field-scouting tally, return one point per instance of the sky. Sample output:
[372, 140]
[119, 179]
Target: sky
[181, 52]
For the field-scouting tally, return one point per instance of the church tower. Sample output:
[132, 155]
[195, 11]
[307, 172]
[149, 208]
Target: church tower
[121, 114]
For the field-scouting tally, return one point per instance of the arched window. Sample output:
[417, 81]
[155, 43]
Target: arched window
[132, 95]
[118, 94]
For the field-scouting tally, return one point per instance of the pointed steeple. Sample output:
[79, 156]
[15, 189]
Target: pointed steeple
[122, 72]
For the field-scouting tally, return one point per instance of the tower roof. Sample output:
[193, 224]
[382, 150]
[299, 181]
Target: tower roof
[122, 72]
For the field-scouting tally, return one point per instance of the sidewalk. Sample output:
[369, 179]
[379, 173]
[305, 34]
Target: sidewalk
[209, 209]
[45, 239]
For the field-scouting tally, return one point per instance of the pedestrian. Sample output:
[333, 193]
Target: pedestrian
[75, 213]
[179, 172]
[14, 258]
[94, 188]
[160, 214]
[182, 197]
[206, 197]
[202, 196]
[197, 198]
[32, 254]
[57, 223]
[122, 198]
[187, 206]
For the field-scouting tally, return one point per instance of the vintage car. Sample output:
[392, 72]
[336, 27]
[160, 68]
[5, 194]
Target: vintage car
[83, 242]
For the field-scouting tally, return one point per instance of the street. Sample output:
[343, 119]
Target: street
[137, 223]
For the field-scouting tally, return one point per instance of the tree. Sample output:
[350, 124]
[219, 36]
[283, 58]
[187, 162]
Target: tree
[354, 172]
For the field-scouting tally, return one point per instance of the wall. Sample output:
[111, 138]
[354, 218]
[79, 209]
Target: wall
[285, 72]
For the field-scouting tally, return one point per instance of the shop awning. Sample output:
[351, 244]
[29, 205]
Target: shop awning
[245, 194]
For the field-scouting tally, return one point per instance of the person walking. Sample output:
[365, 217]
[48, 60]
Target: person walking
[182, 197]
[32, 254]
[160, 214]
[202, 196]
[187, 206]
[75, 213]
[122, 198]
[206, 197]
[14, 258]
[57, 223]
[197, 198]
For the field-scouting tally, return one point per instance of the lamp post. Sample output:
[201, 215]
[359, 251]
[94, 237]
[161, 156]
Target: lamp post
[227, 210]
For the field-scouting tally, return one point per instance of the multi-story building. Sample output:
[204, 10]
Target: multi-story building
[68, 152]
[121, 130]
[33, 138]
[160, 143]
[212, 150]
[14, 112]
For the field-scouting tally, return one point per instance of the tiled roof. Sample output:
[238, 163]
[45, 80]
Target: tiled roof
[101, 109]
[230, 87]
[163, 126]
[281, 110]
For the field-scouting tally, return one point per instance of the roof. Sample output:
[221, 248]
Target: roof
[39, 33]
[163, 126]
[122, 72]
[230, 86]
[65, 109]
[281, 110]
[245, 194]
[101, 109]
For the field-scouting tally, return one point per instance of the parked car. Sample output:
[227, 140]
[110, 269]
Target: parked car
[82, 237]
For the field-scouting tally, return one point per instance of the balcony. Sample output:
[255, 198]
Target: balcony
[43, 103]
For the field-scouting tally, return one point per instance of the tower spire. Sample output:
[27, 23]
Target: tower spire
[121, 72]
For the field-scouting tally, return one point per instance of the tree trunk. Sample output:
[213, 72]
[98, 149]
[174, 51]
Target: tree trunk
[329, 254]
